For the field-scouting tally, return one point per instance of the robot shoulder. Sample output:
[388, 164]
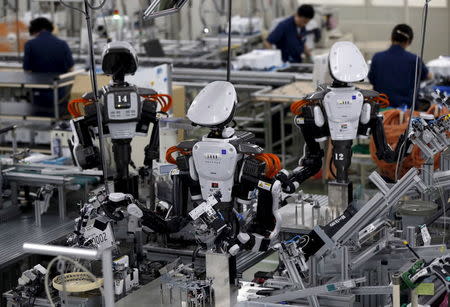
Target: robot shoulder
[187, 145]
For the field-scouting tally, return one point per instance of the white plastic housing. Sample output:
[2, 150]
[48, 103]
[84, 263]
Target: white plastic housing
[214, 105]
[347, 64]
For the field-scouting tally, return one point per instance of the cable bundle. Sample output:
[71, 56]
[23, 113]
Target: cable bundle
[165, 101]
[173, 149]
[273, 163]
[395, 124]
[296, 107]
[76, 107]
[382, 100]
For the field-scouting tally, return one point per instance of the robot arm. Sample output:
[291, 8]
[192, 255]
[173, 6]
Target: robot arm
[311, 163]
[149, 116]
[384, 151]
[84, 152]
[266, 225]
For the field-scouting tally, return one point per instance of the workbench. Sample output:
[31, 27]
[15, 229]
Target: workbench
[51, 81]
[13, 233]
[16, 178]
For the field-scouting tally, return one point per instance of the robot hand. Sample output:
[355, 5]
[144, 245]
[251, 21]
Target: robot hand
[153, 221]
[308, 167]
[84, 153]
[431, 137]
[441, 268]
[262, 233]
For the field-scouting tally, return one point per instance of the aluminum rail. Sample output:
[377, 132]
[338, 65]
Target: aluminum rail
[36, 178]
[249, 77]
[314, 291]
[53, 250]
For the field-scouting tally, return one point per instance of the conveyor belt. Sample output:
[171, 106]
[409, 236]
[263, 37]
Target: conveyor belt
[22, 229]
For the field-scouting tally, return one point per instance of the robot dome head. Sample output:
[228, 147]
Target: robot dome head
[119, 58]
[214, 106]
[347, 64]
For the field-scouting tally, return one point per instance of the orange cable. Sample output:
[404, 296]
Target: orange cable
[173, 149]
[395, 123]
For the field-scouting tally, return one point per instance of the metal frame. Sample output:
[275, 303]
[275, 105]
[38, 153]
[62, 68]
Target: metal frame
[15, 178]
[83, 253]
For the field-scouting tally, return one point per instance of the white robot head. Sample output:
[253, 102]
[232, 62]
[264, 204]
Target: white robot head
[347, 64]
[119, 59]
[214, 106]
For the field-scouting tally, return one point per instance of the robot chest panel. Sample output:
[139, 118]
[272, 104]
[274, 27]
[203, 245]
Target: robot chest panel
[343, 111]
[215, 163]
[123, 113]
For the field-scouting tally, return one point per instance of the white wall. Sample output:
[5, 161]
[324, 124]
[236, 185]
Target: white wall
[366, 22]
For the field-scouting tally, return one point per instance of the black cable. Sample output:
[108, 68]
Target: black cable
[417, 80]
[34, 300]
[202, 17]
[96, 7]
[72, 7]
[229, 41]
[195, 253]
[412, 251]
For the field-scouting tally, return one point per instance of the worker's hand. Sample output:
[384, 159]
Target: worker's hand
[307, 54]
[267, 45]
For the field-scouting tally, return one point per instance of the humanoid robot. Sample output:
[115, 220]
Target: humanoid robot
[127, 111]
[342, 112]
[222, 172]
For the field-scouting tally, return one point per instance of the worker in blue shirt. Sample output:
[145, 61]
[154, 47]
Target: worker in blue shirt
[46, 53]
[393, 71]
[290, 35]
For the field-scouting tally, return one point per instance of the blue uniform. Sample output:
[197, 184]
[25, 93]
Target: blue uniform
[392, 72]
[47, 54]
[290, 39]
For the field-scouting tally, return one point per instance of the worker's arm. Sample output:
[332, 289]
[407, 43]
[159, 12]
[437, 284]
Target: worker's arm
[426, 75]
[27, 58]
[373, 67]
[274, 37]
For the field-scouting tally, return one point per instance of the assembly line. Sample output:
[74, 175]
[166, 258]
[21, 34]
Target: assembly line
[271, 159]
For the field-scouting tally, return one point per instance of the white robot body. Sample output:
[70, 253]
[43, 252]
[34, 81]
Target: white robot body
[215, 161]
[343, 108]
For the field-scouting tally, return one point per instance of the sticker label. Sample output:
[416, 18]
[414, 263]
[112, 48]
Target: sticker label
[343, 102]
[299, 120]
[264, 185]
[175, 172]
[425, 289]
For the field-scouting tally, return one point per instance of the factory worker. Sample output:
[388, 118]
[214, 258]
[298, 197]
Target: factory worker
[290, 35]
[45, 53]
[393, 71]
